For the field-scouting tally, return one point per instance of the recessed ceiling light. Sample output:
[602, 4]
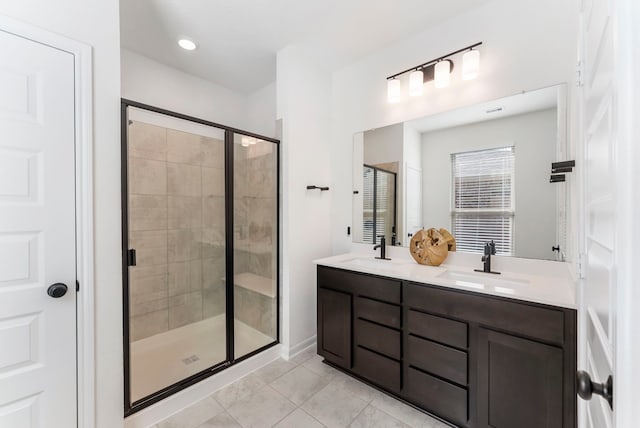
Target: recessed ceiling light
[187, 44]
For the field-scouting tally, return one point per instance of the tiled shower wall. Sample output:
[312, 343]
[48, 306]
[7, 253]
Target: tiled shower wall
[176, 225]
[255, 228]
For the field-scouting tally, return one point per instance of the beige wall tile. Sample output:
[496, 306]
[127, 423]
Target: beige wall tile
[141, 304]
[152, 286]
[183, 147]
[148, 325]
[184, 180]
[213, 272]
[150, 246]
[213, 152]
[214, 302]
[212, 182]
[184, 245]
[185, 309]
[185, 277]
[184, 212]
[147, 271]
[213, 212]
[147, 141]
[147, 212]
[147, 177]
[213, 242]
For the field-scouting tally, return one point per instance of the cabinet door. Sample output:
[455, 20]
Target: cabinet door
[519, 382]
[334, 326]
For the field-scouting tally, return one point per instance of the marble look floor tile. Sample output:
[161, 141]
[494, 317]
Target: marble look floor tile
[304, 356]
[299, 384]
[262, 409]
[355, 387]
[299, 419]
[223, 420]
[238, 390]
[334, 406]
[274, 370]
[407, 414]
[372, 417]
[194, 415]
[316, 365]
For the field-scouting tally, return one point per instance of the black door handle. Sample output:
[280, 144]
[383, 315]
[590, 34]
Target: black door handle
[586, 388]
[57, 290]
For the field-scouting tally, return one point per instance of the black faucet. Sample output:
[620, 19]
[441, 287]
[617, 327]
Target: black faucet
[383, 248]
[489, 250]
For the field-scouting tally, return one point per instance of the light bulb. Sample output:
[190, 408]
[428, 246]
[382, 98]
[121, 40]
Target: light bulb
[187, 44]
[393, 90]
[245, 142]
[470, 65]
[442, 71]
[416, 83]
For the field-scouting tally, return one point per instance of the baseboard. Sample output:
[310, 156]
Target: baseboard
[153, 414]
[298, 348]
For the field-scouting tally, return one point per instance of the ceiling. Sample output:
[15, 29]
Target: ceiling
[525, 102]
[238, 39]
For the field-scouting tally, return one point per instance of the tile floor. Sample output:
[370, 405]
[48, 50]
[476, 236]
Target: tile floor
[300, 393]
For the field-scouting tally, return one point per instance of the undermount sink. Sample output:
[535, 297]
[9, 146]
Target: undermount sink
[483, 280]
[389, 265]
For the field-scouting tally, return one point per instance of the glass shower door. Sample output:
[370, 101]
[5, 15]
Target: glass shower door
[255, 240]
[176, 226]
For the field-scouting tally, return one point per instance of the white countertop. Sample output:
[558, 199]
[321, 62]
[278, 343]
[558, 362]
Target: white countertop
[550, 287]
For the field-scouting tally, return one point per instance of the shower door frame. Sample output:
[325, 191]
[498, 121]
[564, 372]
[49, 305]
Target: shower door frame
[229, 133]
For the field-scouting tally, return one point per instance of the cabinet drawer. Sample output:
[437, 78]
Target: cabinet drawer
[380, 370]
[525, 319]
[387, 290]
[440, 360]
[379, 312]
[440, 329]
[376, 288]
[378, 338]
[438, 396]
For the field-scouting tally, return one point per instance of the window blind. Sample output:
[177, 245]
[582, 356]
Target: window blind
[378, 202]
[483, 199]
[367, 204]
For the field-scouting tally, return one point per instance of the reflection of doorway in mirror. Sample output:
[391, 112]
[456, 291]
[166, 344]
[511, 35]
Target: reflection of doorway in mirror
[414, 204]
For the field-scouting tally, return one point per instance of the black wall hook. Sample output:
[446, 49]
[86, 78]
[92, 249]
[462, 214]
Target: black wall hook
[322, 189]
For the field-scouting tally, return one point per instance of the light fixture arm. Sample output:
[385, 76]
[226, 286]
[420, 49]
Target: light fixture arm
[433, 61]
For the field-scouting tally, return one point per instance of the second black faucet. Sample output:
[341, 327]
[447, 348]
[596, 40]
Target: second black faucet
[383, 248]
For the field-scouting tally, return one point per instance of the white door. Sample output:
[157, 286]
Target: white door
[597, 100]
[414, 202]
[37, 235]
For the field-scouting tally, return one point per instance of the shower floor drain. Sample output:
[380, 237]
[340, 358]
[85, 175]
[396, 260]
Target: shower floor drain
[190, 360]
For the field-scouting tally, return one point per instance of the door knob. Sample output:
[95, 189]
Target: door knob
[57, 290]
[586, 388]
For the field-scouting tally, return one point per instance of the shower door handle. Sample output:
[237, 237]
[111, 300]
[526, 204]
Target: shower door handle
[131, 257]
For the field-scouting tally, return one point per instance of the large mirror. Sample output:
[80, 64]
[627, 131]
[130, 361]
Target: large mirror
[482, 172]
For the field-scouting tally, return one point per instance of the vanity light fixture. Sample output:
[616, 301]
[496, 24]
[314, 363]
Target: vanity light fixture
[187, 44]
[470, 65]
[439, 70]
[393, 90]
[416, 83]
[442, 74]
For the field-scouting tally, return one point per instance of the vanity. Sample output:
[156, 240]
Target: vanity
[476, 351]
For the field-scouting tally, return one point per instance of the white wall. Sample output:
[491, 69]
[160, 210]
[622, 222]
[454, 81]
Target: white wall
[150, 82]
[96, 22]
[303, 100]
[534, 137]
[261, 111]
[527, 45]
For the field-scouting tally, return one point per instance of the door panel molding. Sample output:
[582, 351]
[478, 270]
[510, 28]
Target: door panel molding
[83, 99]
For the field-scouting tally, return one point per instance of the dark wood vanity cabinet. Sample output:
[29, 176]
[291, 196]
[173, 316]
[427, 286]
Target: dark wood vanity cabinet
[473, 360]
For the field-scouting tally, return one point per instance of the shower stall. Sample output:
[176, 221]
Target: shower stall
[200, 223]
